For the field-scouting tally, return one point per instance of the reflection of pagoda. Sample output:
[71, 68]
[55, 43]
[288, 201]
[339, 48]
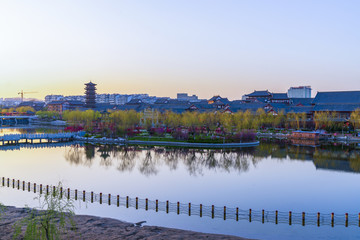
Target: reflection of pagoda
[90, 95]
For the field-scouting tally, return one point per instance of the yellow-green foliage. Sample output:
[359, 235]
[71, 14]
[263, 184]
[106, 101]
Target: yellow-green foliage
[81, 116]
[355, 118]
[124, 119]
[51, 220]
[48, 114]
[321, 118]
[10, 110]
[25, 109]
[230, 123]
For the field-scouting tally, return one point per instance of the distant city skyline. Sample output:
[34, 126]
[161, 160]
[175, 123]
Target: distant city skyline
[162, 48]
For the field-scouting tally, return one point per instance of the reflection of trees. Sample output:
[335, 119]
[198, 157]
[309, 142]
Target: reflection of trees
[74, 155]
[148, 160]
[105, 151]
[125, 159]
[148, 165]
[89, 152]
[355, 164]
[196, 161]
[170, 159]
[355, 161]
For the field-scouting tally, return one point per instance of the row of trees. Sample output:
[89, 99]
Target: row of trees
[234, 122]
[228, 123]
[21, 110]
[333, 121]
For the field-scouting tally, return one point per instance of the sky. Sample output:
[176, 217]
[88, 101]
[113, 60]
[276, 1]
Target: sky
[202, 47]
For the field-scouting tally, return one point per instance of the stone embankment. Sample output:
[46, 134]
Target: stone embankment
[329, 137]
[165, 143]
[90, 227]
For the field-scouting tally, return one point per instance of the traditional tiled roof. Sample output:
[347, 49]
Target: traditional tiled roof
[295, 109]
[302, 101]
[103, 107]
[218, 98]
[204, 107]
[90, 84]
[237, 102]
[162, 100]
[279, 96]
[134, 101]
[261, 100]
[176, 108]
[253, 107]
[344, 97]
[128, 107]
[336, 107]
[179, 102]
[214, 98]
[260, 94]
[285, 108]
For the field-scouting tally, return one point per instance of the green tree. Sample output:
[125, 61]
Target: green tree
[25, 109]
[170, 119]
[52, 218]
[303, 119]
[278, 119]
[355, 118]
[48, 114]
[321, 119]
[124, 119]
[227, 122]
[247, 118]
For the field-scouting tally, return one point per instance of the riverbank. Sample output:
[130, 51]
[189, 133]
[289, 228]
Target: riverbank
[329, 138]
[91, 227]
[193, 145]
[166, 143]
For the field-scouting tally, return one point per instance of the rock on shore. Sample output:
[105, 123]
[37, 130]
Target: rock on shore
[90, 227]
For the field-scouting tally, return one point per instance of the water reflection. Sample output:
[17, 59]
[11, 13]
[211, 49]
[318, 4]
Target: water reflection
[149, 159]
[30, 129]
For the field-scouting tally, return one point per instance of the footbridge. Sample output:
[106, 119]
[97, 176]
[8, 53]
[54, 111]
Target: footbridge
[15, 120]
[17, 147]
[45, 137]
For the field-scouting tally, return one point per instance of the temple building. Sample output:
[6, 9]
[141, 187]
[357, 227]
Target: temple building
[90, 95]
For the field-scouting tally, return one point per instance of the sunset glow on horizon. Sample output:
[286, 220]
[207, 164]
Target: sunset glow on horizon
[207, 48]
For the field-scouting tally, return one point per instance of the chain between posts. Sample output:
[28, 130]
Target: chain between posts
[226, 213]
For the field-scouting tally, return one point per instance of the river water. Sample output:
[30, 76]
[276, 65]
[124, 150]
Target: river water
[273, 176]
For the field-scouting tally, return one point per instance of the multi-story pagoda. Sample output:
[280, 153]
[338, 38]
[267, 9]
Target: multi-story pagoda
[90, 95]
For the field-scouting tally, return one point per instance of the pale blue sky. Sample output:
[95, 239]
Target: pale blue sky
[164, 47]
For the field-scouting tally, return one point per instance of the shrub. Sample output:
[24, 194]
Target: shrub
[50, 220]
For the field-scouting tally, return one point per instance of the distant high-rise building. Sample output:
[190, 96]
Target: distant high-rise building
[90, 95]
[299, 92]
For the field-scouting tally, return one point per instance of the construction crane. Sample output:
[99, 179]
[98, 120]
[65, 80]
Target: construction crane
[22, 94]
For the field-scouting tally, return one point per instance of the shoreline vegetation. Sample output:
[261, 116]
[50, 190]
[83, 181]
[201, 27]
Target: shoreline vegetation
[207, 127]
[120, 120]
